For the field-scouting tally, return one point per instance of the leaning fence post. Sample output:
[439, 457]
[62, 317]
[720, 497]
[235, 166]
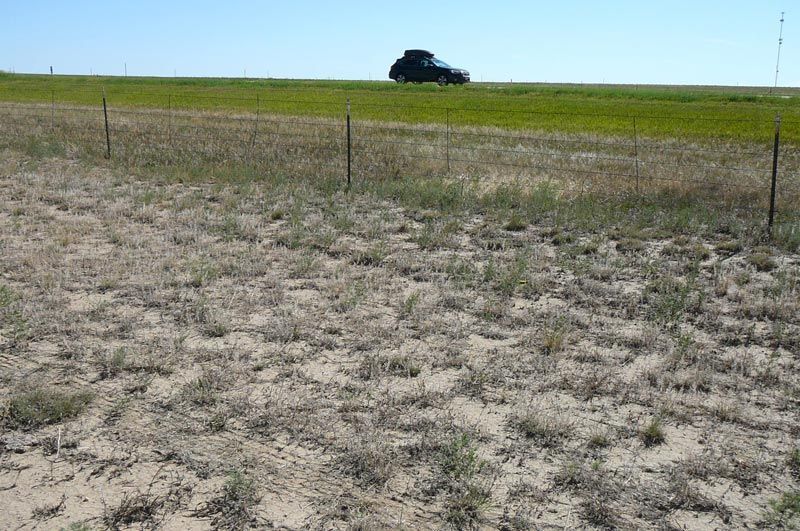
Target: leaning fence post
[636, 153]
[349, 158]
[775, 152]
[108, 135]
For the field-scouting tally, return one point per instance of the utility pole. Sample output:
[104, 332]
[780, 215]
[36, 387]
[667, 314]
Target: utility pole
[780, 42]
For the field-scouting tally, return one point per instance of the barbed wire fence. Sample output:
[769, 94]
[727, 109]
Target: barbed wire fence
[344, 139]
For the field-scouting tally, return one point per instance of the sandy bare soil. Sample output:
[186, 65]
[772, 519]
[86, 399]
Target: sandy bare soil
[227, 356]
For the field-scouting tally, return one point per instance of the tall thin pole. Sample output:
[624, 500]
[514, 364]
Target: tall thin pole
[780, 43]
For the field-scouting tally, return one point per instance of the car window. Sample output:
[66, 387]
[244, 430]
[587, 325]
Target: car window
[425, 62]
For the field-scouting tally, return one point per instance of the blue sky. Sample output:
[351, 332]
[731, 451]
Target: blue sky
[616, 41]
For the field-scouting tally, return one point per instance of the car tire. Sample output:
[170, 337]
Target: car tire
[442, 80]
[401, 79]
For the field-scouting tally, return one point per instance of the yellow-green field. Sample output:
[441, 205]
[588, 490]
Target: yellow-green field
[729, 113]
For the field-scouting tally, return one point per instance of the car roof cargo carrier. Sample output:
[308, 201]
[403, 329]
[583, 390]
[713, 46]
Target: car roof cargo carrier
[417, 53]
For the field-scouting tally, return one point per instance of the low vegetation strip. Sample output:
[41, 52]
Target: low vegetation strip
[736, 175]
[697, 113]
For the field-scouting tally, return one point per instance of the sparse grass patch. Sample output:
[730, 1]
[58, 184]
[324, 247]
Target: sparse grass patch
[762, 261]
[652, 433]
[372, 367]
[465, 507]
[40, 406]
[670, 298]
[236, 506]
[784, 512]
[372, 256]
[515, 223]
[598, 440]
[546, 430]
[206, 388]
[368, 459]
[554, 336]
[135, 508]
[793, 462]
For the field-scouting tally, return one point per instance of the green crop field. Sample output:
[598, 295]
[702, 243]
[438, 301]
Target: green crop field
[694, 113]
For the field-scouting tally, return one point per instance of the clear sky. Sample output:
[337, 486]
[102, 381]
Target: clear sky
[715, 42]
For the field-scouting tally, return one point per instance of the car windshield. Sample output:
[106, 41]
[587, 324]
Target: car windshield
[440, 63]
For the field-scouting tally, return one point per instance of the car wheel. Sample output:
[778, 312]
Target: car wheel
[442, 81]
[400, 78]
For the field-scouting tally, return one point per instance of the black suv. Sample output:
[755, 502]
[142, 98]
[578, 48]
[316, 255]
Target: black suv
[420, 65]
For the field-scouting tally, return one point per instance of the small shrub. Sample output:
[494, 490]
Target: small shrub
[598, 440]
[409, 304]
[630, 246]
[652, 434]
[728, 247]
[762, 261]
[459, 460]
[554, 336]
[516, 223]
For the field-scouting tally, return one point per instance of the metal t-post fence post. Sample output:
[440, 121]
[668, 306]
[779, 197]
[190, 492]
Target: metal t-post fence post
[775, 152]
[108, 135]
[349, 146]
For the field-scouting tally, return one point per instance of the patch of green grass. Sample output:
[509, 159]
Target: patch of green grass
[554, 336]
[372, 256]
[762, 261]
[545, 430]
[40, 406]
[670, 298]
[785, 511]
[459, 460]
[516, 223]
[653, 433]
